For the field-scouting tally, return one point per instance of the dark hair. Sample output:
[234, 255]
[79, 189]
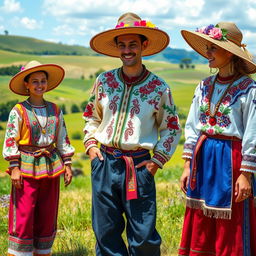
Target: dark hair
[240, 66]
[142, 38]
[28, 76]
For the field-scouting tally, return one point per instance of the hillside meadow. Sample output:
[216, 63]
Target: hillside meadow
[75, 236]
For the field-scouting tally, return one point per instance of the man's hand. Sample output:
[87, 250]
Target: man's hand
[95, 152]
[68, 175]
[150, 165]
[16, 177]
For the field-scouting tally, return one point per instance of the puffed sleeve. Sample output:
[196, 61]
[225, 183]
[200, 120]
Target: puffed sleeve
[169, 129]
[249, 139]
[92, 116]
[12, 136]
[63, 143]
[192, 131]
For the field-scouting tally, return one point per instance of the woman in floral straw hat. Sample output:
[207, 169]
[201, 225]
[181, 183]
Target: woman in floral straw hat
[219, 151]
[38, 150]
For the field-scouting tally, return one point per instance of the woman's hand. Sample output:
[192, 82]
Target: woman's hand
[68, 175]
[16, 177]
[95, 152]
[150, 165]
[243, 187]
[184, 179]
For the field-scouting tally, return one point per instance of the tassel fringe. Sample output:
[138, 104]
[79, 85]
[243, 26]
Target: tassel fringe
[217, 213]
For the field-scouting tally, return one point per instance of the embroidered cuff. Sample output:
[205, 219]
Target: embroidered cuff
[67, 160]
[188, 151]
[159, 159]
[14, 163]
[89, 144]
[248, 164]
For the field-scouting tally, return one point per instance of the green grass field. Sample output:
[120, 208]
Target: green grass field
[75, 236]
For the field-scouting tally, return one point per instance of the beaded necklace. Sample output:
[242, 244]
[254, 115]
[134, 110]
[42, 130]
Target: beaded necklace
[212, 118]
[42, 128]
[134, 80]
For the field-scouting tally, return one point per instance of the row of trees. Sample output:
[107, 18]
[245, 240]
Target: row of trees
[9, 71]
[5, 108]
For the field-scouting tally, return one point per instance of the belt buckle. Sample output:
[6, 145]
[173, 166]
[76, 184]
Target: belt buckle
[117, 153]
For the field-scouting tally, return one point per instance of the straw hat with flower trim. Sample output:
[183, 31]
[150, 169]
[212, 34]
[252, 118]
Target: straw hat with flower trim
[55, 76]
[225, 35]
[130, 23]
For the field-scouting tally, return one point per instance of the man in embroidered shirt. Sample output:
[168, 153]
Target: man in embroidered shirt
[130, 112]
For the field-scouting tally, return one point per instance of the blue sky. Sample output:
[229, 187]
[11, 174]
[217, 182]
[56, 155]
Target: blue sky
[76, 21]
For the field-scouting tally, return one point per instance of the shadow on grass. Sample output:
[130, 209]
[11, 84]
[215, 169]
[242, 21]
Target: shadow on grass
[79, 252]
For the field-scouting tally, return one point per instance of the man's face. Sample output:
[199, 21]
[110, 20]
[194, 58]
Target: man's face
[130, 48]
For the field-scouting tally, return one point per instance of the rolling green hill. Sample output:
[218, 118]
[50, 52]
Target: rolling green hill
[30, 45]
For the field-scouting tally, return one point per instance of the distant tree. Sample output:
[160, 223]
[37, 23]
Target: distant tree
[5, 109]
[82, 77]
[192, 66]
[90, 76]
[83, 105]
[63, 108]
[186, 62]
[96, 74]
[74, 108]
[181, 66]
[6, 32]
[76, 135]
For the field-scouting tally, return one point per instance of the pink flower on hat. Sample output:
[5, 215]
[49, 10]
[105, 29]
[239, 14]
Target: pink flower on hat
[215, 33]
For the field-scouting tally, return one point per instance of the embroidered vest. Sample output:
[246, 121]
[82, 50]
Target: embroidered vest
[32, 123]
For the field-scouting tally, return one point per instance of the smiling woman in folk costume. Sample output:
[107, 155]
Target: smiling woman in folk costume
[220, 149]
[38, 150]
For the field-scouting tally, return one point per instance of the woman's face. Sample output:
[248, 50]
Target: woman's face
[217, 56]
[37, 84]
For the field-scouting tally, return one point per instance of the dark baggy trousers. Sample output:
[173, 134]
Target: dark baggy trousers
[109, 206]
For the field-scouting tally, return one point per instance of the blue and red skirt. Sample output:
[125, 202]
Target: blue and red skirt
[214, 224]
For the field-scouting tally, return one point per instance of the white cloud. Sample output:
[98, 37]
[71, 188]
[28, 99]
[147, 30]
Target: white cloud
[11, 6]
[249, 40]
[30, 24]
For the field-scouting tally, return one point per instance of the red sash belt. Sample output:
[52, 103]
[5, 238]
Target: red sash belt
[130, 174]
[196, 155]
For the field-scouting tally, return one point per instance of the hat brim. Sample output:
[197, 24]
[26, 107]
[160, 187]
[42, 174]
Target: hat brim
[198, 42]
[104, 42]
[55, 76]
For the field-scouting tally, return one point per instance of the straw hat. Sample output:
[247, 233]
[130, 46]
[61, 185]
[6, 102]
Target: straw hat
[225, 35]
[130, 23]
[55, 76]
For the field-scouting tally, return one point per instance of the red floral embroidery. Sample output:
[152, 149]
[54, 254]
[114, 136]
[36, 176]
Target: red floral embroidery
[67, 140]
[150, 87]
[113, 105]
[111, 81]
[88, 110]
[9, 142]
[135, 109]
[172, 123]
[244, 84]
[129, 131]
[226, 99]
[167, 144]
[11, 125]
[110, 129]
[34, 123]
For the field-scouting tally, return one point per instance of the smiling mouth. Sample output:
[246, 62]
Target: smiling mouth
[128, 56]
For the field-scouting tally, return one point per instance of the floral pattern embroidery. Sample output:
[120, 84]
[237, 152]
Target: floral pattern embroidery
[113, 105]
[110, 129]
[129, 130]
[167, 143]
[88, 110]
[111, 83]
[10, 133]
[148, 89]
[135, 109]
[172, 123]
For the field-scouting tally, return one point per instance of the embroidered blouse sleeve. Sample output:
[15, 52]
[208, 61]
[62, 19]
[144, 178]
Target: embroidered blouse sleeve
[169, 129]
[249, 139]
[12, 136]
[92, 116]
[192, 131]
[63, 143]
